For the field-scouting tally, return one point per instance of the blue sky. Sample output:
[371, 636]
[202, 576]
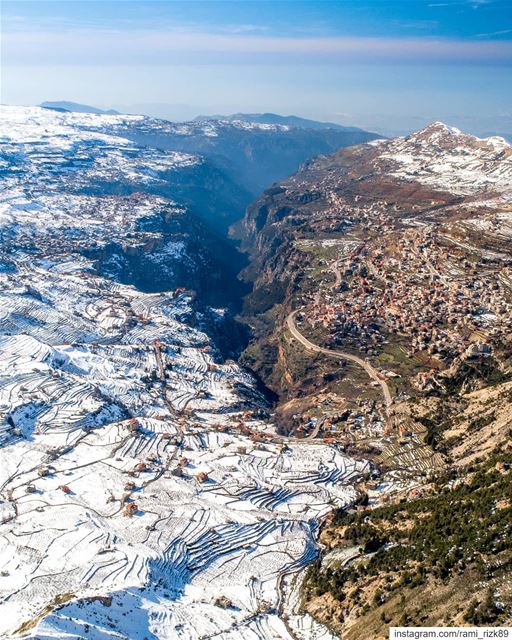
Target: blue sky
[389, 65]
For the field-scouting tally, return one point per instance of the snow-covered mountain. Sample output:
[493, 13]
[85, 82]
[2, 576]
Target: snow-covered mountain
[254, 154]
[144, 492]
[445, 158]
[92, 156]
[274, 118]
[223, 164]
[436, 176]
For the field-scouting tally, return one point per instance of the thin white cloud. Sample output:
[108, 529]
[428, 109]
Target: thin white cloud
[81, 47]
[491, 34]
[472, 3]
[244, 28]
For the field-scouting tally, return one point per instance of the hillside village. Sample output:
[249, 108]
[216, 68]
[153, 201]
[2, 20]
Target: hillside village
[383, 310]
[432, 299]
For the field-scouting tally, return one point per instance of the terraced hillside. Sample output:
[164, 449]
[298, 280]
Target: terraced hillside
[144, 492]
[126, 477]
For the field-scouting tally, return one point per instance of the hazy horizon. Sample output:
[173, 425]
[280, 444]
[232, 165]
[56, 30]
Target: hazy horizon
[389, 67]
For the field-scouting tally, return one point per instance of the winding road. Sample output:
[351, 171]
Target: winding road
[371, 371]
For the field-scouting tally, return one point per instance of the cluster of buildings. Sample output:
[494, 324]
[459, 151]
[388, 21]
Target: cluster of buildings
[438, 298]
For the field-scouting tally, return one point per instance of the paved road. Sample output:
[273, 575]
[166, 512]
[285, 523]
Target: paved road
[337, 274]
[371, 371]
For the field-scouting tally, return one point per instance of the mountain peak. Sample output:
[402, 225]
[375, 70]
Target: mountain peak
[444, 135]
[441, 126]
[448, 159]
[434, 132]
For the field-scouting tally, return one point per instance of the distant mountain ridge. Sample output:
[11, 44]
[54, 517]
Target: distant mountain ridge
[274, 118]
[253, 154]
[66, 105]
[256, 118]
[252, 150]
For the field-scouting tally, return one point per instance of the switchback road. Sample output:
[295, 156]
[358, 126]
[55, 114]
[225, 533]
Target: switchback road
[371, 371]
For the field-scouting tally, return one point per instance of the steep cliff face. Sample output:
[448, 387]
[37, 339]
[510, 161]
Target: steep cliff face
[170, 248]
[252, 155]
[201, 187]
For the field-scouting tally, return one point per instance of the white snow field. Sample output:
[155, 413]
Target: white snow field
[90, 432]
[44, 141]
[447, 159]
[144, 493]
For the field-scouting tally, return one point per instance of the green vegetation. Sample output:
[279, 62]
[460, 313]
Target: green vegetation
[483, 613]
[445, 417]
[488, 371]
[479, 422]
[465, 527]
[265, 298]
[393, 355]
